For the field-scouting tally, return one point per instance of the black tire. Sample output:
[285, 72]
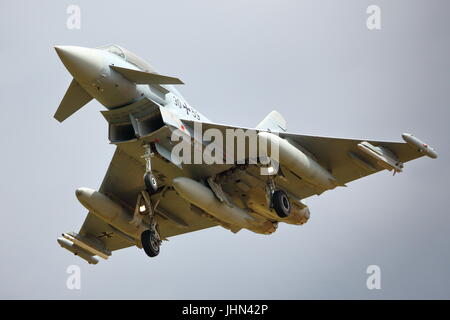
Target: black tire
[281, 204]
[150, 183]
[150, 243]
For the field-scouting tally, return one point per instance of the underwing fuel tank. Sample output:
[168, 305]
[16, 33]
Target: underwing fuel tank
[296, 160]
[201, 196]
[298, 216]
[109, 211]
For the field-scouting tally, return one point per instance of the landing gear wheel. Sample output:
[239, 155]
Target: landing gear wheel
[150, 183]
[281, 203]
[150, 243]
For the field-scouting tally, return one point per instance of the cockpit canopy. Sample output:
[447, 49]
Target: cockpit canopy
[128, 56]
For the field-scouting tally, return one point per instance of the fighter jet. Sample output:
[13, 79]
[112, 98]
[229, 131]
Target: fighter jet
[151, 192]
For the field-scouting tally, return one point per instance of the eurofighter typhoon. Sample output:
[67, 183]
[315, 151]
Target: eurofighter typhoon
[174, 171]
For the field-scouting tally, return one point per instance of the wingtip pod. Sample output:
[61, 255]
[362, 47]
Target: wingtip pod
[419, 145]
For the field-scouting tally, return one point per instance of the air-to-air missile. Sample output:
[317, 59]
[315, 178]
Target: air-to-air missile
[82, 253]
[384, 157]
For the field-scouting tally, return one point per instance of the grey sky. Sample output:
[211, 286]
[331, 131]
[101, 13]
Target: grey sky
[316, 63]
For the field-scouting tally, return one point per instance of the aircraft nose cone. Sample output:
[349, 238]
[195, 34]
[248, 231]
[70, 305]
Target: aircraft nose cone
[85, 64]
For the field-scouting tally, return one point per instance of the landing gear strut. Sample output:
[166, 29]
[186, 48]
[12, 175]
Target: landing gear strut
[149, 179]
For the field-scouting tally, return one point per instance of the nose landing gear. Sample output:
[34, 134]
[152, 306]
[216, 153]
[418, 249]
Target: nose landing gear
[150, 239]
[149, 179]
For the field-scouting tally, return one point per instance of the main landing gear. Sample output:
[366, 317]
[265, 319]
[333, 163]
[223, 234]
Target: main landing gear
[279, 200]
[150, 238]
[151, 242]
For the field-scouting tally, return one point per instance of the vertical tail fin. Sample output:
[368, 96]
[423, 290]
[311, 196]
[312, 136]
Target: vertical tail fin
[274, 121]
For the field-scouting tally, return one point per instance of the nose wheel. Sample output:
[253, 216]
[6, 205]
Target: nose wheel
[150, 183]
